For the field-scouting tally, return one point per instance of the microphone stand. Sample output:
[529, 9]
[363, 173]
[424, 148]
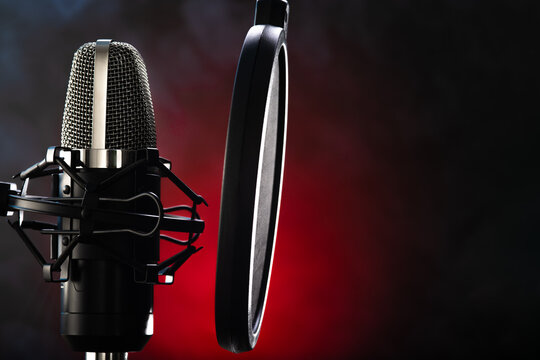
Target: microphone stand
[106, 356]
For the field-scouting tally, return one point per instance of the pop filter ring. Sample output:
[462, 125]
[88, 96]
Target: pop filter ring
[244, 260]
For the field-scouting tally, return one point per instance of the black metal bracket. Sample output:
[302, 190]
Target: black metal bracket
[272, 12]
[87, 209]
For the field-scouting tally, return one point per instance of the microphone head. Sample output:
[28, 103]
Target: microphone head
[130, 123]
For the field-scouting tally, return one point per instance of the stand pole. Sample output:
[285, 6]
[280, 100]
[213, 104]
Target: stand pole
[106, 356]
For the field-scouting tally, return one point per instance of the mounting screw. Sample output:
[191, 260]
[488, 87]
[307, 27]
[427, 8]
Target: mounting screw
[67, 189]
[65, 241]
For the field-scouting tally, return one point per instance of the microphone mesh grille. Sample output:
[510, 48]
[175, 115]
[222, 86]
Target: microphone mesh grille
[130, 114]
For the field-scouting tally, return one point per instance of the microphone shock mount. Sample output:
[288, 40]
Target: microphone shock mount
[116, 215]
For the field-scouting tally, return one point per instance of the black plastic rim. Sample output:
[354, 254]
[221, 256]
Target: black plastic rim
[251, 189]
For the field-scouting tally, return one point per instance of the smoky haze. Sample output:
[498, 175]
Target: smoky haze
[410, 203]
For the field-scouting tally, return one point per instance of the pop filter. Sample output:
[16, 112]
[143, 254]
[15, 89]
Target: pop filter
[252, 178]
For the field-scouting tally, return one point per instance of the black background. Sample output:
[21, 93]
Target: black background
[410, 221]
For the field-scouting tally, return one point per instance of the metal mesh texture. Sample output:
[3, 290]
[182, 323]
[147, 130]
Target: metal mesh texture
[130, 114]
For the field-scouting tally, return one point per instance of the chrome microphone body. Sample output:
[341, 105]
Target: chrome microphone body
[103, 306]
[108, 117]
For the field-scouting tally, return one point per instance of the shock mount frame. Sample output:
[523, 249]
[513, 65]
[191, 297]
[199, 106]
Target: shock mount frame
[87, 210]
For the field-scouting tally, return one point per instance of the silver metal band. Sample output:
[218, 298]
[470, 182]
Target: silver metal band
[101, 65]
[106, 158]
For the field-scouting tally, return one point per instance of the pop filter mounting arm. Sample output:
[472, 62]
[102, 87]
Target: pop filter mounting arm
[89, 209]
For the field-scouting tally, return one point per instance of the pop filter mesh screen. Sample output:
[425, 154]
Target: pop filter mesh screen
[265, 220]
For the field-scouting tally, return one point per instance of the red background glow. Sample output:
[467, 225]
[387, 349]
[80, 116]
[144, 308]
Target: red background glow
[410, 200]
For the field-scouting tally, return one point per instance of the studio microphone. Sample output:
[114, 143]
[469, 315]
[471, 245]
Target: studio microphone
[108, 114]
[106, 196]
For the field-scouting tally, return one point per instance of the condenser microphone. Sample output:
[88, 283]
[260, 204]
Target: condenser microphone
[106, 197]
[108, 115]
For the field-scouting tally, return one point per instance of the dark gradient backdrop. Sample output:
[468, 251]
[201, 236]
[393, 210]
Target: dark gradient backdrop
[409, 225]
